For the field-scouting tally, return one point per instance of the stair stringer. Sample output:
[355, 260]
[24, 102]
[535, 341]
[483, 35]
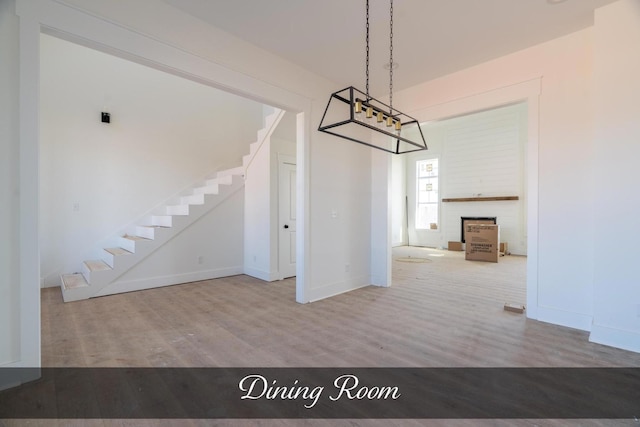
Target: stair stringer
[264, 134]
[100, 281]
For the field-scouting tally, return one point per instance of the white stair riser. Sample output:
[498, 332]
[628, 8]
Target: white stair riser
[127, 244]
[239, 171]
[262, 133]
[109, 259]
[209, 189]
[194, 199]
[162, 220]
[178, 210]
[86, 273]
[146, 232]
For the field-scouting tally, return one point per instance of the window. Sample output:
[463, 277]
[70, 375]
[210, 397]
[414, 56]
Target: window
[427, 198]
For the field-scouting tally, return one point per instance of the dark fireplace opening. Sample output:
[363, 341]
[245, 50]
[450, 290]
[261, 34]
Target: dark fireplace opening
[464, 220]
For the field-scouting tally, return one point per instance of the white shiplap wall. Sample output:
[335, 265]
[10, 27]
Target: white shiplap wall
[481, 154]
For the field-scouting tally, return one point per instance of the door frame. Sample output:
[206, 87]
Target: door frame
[527, 91]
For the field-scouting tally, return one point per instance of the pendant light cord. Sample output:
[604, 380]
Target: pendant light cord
[391, 59]
[367, 68]
[390, 56]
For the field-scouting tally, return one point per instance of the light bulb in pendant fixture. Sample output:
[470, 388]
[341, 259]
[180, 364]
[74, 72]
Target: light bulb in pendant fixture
[369, 112]
[357, 109]
[389, 121]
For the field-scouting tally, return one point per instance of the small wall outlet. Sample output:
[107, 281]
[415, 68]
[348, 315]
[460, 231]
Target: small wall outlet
[347, 268]
[334, 214]
[106, 117]
[76, 207]
[200, 259]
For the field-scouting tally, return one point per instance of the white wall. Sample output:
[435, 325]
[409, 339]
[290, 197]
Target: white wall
[165, 134]
[398, 201]
[211, 247]
[9, 181]
[258, 215]
[565, 208]
[614, 195]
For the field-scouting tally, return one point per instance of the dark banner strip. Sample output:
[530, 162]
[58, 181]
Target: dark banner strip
[205, 393]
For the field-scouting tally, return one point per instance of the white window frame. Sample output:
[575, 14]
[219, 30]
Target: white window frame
[417, 194]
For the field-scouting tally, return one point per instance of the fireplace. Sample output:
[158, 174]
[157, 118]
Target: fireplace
[464, 220]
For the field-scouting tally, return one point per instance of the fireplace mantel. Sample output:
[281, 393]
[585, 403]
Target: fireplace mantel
[481, 199]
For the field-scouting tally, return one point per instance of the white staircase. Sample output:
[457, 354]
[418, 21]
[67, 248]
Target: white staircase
[155, 230]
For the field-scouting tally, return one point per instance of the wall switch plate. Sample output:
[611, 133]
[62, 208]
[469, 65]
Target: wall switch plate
[334, 214]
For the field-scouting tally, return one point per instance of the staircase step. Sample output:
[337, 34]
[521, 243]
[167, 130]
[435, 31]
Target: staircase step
[178, 210]
[194, 199]
[128, 242]
[134, 238]
[89, 268]
[207, 189]
[148, 231]
[229, 172]
[220, 180]
[262, 134]
[96, 265]
[74, 281]
[110, 255]
[118, 251]
[162, 220]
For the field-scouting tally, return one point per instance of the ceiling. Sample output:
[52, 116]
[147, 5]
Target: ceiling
[431, 38]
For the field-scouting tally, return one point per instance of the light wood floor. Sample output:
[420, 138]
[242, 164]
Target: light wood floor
[444, 312]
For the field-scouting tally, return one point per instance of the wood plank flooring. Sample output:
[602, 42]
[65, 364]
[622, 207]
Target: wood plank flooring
[444, 312]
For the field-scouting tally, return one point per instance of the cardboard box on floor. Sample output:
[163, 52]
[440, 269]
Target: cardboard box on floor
[482, 242]
[455, 246]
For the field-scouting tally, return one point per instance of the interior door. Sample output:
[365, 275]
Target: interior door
[287, 217]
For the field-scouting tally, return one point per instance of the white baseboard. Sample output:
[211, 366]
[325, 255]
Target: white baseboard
[626, 340]
[258, 274]
[174, 279]
[337, 288]
[261, 274]
[565, 318]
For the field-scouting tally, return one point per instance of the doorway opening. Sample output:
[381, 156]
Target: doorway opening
[149, 156]
[474, 160]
